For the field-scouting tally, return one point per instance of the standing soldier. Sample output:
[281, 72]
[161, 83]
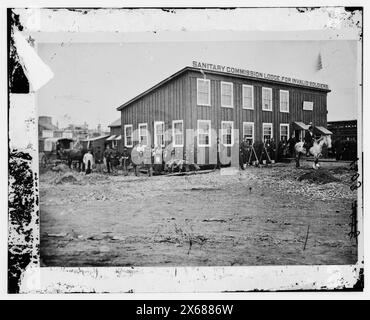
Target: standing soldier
[98, 156]
[292, 142]
[272, 149]
[114, 159]
[244, 148]
[125, 160]
[108, 158]
[218, 165]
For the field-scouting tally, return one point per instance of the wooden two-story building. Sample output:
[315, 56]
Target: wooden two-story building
[207, 106]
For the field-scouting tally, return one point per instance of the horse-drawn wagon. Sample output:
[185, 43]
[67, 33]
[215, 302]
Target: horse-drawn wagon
[52, 150]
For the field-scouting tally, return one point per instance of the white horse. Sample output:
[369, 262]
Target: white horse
[315, 150]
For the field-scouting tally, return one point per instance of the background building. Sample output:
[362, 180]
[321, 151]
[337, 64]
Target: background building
[46, 128]
[344, 139]
[115, 138]
[343, 130]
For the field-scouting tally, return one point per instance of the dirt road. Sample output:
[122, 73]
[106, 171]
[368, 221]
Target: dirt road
[258, 217]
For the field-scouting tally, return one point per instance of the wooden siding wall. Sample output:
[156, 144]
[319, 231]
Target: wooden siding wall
[163, 104]
[115, 131]
[216, 113]
[177, 100]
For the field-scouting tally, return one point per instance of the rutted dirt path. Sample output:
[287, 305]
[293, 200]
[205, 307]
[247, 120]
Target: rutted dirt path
[257, 217]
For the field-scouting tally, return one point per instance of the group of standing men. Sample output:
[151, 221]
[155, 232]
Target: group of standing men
[285, 147]
[110, 158]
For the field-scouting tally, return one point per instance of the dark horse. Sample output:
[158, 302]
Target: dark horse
[75, 155]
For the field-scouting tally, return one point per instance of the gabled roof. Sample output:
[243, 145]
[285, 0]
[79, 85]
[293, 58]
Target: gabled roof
[226, 74]
[156, 86]
[116, 123]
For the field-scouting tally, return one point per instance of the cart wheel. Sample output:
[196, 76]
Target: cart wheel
[43, 161]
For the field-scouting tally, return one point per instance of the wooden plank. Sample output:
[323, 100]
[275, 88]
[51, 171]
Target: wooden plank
[189, 173]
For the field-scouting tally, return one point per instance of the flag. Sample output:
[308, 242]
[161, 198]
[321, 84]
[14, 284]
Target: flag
[319, 62]
[204, 75]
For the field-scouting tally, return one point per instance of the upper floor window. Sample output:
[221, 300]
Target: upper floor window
[247, 97]
[284, 101]
[203, 92]
[267, 99]
[226, 94]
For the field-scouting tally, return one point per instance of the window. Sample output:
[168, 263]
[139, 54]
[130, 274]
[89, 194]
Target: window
[266, 131]
[284, 101]
[284, 132]
[128, 135]
[226, 94]
[247, 97]
[114, 143]
[248, 132]
[178, 133]
[143, 134]
[267, 99]
[204, 133]
[203, 92]
[227, 133]
[158, 133]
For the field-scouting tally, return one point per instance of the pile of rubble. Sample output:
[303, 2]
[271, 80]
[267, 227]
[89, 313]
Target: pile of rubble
[318, 176]
[316, 184]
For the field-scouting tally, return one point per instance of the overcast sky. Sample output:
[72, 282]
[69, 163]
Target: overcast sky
[92, 79]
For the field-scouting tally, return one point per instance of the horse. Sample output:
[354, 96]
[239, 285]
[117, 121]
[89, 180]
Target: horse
[75, 155]
[315, 150]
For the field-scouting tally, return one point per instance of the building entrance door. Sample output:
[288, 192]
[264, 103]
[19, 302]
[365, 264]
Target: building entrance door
[298, 134]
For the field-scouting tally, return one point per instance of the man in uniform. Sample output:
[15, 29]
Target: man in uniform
[108, 157]
[98, 157]
[291, 143]
[125, 159]
[244, 148]
[308, 140]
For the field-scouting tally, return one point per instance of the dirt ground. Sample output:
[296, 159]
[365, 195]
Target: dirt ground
[260, 216]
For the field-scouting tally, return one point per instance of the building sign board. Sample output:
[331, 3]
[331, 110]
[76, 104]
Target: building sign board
[67, 134]
[258, 75]
[308, 105]
[47, 133]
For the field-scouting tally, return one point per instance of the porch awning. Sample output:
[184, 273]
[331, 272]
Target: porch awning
[300, 125]
[111, 138]
[118, 137]
[323, 130]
